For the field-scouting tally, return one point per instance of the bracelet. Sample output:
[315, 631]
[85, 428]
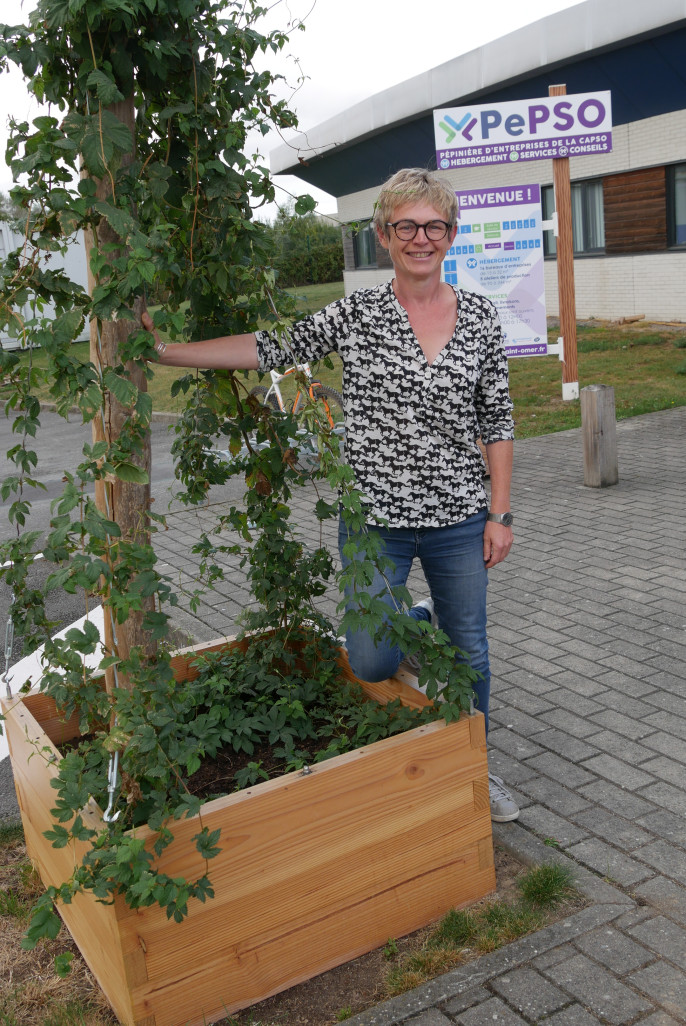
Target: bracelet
[160, 347]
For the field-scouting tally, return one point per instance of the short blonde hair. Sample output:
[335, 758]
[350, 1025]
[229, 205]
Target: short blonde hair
[415, 184]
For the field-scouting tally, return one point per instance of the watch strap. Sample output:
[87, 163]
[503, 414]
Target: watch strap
[501, 518]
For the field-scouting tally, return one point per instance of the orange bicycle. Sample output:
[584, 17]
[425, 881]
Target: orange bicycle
[331, 400]
[326, 402]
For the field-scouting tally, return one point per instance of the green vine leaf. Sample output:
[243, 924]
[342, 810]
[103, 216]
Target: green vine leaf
[105, 88]
[206, 843]
[122, 388]
[44, 922]
[63, 964]
[304, 204]
[59, 836]
[127, 471]
[122, 221]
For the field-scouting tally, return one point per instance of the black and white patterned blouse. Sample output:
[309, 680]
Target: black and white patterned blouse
[410, 427]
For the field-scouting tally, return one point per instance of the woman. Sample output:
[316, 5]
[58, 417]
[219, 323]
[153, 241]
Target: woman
[424, 375]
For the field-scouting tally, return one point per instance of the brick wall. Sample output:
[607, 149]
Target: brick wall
[618, 286]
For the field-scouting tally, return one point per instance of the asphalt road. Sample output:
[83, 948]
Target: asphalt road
[59, 445]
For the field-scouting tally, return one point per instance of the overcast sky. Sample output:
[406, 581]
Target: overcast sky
[348, 52]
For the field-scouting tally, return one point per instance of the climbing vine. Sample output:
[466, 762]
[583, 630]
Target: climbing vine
[143, 150]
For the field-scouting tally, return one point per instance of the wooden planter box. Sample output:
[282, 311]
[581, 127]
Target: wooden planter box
[315, 868]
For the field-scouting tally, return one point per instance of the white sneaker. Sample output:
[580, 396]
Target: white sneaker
[428, 604]
[503, 806]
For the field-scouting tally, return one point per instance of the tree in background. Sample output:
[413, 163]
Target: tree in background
[9, 211]
[308, 248]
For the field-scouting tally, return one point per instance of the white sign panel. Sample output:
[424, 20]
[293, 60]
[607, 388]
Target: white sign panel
[498, 253]
[74, 263]
[500, 133]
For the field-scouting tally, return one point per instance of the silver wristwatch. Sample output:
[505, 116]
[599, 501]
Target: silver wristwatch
[506, 519]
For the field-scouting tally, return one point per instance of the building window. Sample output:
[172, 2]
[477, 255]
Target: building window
[588, 219]
[364, 246]
[677, 205]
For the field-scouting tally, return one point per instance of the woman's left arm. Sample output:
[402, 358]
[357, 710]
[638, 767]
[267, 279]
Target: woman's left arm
[498, 538]
[493, 407]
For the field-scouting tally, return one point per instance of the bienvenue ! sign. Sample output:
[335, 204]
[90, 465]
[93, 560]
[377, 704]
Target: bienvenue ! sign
[498, 252]
[553, 126]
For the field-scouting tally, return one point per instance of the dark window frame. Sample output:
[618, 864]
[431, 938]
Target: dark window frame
[367, 232]
[581, 195]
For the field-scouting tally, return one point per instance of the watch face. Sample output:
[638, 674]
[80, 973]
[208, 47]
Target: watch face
[508, 519]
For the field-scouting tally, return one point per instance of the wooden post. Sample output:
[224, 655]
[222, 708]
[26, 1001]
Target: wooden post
[565, 268]
[599, 431]
[125, 502]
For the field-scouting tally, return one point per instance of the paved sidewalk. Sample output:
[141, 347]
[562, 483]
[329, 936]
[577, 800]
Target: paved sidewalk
[588, 645]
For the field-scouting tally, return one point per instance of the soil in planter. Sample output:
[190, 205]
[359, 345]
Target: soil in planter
[216, 776]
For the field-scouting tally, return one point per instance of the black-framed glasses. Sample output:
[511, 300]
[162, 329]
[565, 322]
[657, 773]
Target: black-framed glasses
[406, 230]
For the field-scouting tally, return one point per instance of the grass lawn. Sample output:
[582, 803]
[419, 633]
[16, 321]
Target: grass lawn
[645, 364]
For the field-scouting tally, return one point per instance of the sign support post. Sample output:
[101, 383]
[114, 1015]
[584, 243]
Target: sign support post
[565, 268]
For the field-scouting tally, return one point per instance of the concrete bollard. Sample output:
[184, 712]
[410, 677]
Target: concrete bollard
[599, 431]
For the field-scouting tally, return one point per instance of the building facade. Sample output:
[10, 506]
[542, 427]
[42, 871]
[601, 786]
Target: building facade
[628, 206]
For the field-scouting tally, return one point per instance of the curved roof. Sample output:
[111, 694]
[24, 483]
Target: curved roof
[635, 49]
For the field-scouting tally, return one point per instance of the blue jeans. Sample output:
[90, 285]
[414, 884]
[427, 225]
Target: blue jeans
[453, 563]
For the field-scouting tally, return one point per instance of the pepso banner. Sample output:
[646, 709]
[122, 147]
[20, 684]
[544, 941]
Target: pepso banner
[500, 133]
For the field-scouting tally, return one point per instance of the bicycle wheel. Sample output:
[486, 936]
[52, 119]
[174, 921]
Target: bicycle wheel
[262, 394]
[329, 404]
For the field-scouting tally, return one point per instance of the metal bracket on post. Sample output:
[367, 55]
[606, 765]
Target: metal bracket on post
[557, 349]
[109, 815]
[551, 225]
[570, 389]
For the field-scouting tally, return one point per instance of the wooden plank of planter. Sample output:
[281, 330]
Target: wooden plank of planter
[34, 764]
[318, 869]
[315, 869]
